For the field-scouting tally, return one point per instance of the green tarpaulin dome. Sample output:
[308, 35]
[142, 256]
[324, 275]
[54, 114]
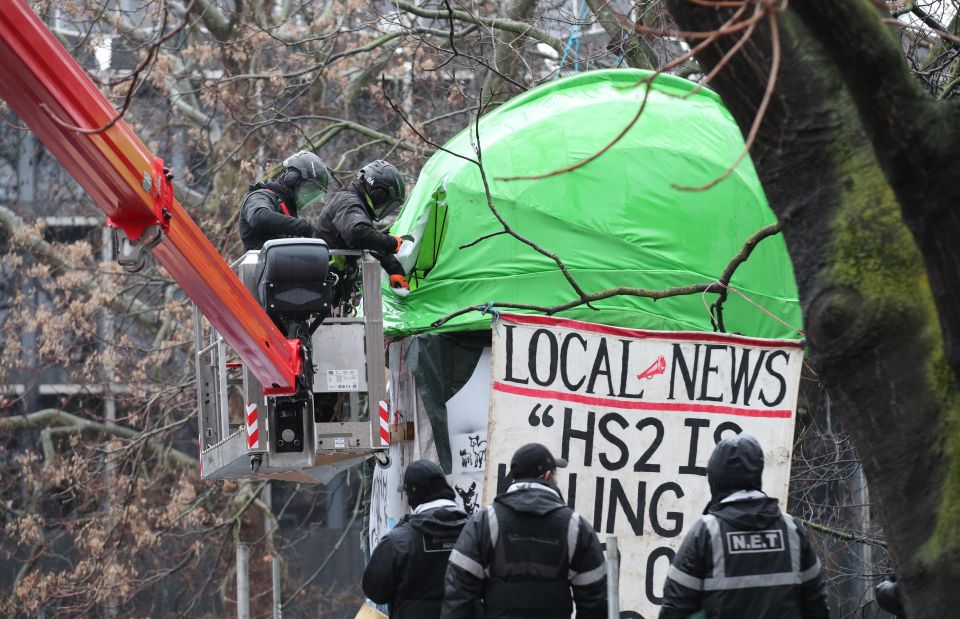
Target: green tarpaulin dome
[620, 220]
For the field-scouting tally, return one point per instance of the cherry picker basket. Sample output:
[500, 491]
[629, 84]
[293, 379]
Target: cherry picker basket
[338, 415]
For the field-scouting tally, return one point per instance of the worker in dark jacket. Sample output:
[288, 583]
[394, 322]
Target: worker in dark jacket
[346, 221]
[270, 210]
[528, 555]
[406, 568]
[744, 557]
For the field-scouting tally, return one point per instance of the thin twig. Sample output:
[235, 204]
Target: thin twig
[416, 131]
[346, 530]
[716, 312]
[506, 227]
[453, 47]
[134, 78]
[726, 57]
[728, 27]
[486, 190]
[717, 286]
[761, 111]
[594, 156]
[849, 537]
[482, 238]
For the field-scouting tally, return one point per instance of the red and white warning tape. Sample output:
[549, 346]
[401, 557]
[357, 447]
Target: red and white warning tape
[384, 423]
[253, 427]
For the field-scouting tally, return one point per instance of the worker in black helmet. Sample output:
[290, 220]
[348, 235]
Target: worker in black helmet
[745, 557]
[271, 209]
[527, 556]
[347, 219]
[407, 567]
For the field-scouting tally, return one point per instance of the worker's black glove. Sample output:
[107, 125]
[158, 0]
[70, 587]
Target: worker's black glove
[304, 229]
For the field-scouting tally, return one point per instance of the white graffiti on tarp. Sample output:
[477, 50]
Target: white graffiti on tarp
[470, 498]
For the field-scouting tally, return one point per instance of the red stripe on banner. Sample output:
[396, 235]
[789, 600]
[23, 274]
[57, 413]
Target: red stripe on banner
[253, 439]
[640, 405]
[684, 336]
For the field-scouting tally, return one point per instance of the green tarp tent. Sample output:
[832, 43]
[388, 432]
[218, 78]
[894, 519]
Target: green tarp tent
[620, 220]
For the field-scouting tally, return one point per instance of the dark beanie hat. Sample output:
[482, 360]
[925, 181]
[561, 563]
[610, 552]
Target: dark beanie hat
[424, 481]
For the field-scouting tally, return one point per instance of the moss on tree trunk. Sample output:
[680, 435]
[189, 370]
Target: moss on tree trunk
[874, 325]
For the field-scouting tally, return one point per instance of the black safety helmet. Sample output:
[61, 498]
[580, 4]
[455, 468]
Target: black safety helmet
[306, 177]
[735, 464]
[383, 186]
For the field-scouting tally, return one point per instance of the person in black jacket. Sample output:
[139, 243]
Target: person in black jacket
[744, 557]
[406, 568]
[528, 555]
[346, 221]
[270, 210]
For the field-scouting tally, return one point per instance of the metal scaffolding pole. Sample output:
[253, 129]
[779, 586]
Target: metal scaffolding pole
[243, 581]
[613, 578]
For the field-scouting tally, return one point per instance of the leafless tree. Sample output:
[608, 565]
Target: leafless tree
[224, 89]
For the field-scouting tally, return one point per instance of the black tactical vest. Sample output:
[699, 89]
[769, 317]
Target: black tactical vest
[530, 563]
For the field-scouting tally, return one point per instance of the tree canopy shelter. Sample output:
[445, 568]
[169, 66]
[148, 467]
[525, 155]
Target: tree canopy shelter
[620, 220]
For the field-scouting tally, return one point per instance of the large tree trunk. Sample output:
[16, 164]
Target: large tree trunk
[879, 303]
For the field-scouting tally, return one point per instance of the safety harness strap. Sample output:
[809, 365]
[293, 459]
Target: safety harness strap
[283, 205]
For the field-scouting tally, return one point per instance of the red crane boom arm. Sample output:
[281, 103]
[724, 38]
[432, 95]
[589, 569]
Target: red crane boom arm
[52, 94]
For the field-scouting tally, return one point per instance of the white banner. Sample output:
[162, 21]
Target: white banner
[467, 437]
[637, 414]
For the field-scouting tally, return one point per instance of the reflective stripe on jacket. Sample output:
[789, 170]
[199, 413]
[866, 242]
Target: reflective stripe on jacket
[527, 555]
[768, 570]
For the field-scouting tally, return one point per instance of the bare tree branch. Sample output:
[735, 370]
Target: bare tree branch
[69, 422]
[718, 286]
[142, 313]
[507, 25]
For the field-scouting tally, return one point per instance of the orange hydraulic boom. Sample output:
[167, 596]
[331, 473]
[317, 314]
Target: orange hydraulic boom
[51, 93]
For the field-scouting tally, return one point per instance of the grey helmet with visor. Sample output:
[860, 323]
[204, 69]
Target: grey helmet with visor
[383, 187]
[307, 177]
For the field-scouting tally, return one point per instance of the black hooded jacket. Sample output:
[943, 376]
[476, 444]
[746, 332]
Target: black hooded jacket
[262, 216]
[527, 556]
[345, 223]
[407, 567]
[745, 557]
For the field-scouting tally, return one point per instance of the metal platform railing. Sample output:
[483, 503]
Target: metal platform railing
[241, 435]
